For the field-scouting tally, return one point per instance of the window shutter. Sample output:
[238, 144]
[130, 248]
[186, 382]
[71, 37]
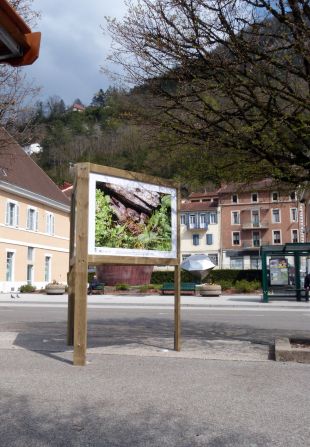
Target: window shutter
[209, 239]
[36, 220]
[7, 211]
[53, 224]
[17, 215]
[28, 219]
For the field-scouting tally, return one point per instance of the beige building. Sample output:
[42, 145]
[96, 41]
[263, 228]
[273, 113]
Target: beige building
[34, 222]
[200, 226]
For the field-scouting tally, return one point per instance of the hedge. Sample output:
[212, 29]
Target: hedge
[214, 276]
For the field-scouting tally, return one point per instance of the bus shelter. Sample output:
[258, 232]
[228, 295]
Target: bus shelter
[283, 270]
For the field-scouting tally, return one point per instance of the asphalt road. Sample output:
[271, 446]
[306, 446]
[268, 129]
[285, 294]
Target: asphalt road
[286, 319]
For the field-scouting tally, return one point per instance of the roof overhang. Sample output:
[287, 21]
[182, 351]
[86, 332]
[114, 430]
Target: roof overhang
[18, 45]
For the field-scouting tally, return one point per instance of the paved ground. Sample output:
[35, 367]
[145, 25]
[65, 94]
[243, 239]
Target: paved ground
[119, 401]
[221, 390]
[142, 337]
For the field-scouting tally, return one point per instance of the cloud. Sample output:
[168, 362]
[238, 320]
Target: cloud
[73, 47]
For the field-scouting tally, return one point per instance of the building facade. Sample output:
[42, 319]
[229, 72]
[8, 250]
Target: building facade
[34, 222]
[200, 226]
[256, 215]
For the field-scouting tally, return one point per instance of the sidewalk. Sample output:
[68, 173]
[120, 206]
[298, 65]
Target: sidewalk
[227, 301]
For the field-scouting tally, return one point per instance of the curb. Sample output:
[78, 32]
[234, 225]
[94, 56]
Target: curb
[286, 352]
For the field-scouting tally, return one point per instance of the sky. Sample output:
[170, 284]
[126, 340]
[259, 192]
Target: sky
[73, 47]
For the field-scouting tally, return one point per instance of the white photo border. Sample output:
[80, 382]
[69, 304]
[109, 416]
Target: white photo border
[95, 178]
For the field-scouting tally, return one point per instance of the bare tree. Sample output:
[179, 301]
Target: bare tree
[231, 76]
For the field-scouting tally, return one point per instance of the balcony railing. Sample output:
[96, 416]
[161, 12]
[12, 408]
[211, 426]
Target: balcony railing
[255, 225]
[197, 226]
[251, 244]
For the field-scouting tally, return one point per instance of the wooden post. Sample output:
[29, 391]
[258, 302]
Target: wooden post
[71, 298]
[71, 295]
[81, 266]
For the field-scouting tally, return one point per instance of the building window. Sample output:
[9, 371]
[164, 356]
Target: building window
[234, 198]
[195, 239]
[50, 223]
[235, 217]
[32, 219]
[236, 263]
[254, 197]
[294, 215]
[213, 218]
[47, 269]
[183, 219]
[276, 236]
[192, 220]
[11, 217]
[255, 218]
[256, 263]
[275, 196]
[203, 220]
[9, 265]
[214, 258]
[293, 195]
[276, 215]
[30, 252]
[236, 238]
[209, 239]
[295, 236]
[29, 274]
[256, 238]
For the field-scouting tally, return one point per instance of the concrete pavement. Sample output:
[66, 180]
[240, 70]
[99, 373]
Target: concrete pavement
[219, 391]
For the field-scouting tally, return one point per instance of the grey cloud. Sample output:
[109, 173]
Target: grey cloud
[73, 47]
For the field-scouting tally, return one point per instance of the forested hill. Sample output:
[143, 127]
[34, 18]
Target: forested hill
[109, 131]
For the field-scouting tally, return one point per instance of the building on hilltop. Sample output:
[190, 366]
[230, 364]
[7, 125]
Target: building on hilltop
[34, 222]
[200, 226]
[262, 213]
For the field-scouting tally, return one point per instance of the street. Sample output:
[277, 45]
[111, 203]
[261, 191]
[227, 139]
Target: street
[221, 390]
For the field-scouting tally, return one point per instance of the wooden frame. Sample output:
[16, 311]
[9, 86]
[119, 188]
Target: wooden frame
[80, 257]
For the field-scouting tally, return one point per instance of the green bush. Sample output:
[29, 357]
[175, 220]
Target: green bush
[225, 284]
[161, 277]
[234, 275]
[215, 276]
[121, 287]
[245, 286]
[27, 288]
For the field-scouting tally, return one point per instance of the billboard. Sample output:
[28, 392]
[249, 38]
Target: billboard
[131, 218]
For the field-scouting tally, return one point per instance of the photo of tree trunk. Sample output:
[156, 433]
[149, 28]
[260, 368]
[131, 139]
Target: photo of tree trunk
[132, 217]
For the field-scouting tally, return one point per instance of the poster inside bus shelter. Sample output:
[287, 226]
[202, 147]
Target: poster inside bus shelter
[278, 271]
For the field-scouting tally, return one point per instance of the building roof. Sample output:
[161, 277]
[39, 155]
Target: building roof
[198, 206]
[248, 187]
[78, 107]
[203, 195]
[18, 169]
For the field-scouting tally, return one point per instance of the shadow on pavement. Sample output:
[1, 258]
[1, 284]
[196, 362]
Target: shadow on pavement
[101, 422]
[50, 338]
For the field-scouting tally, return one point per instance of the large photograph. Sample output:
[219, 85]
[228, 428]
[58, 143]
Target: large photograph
[131, 218]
